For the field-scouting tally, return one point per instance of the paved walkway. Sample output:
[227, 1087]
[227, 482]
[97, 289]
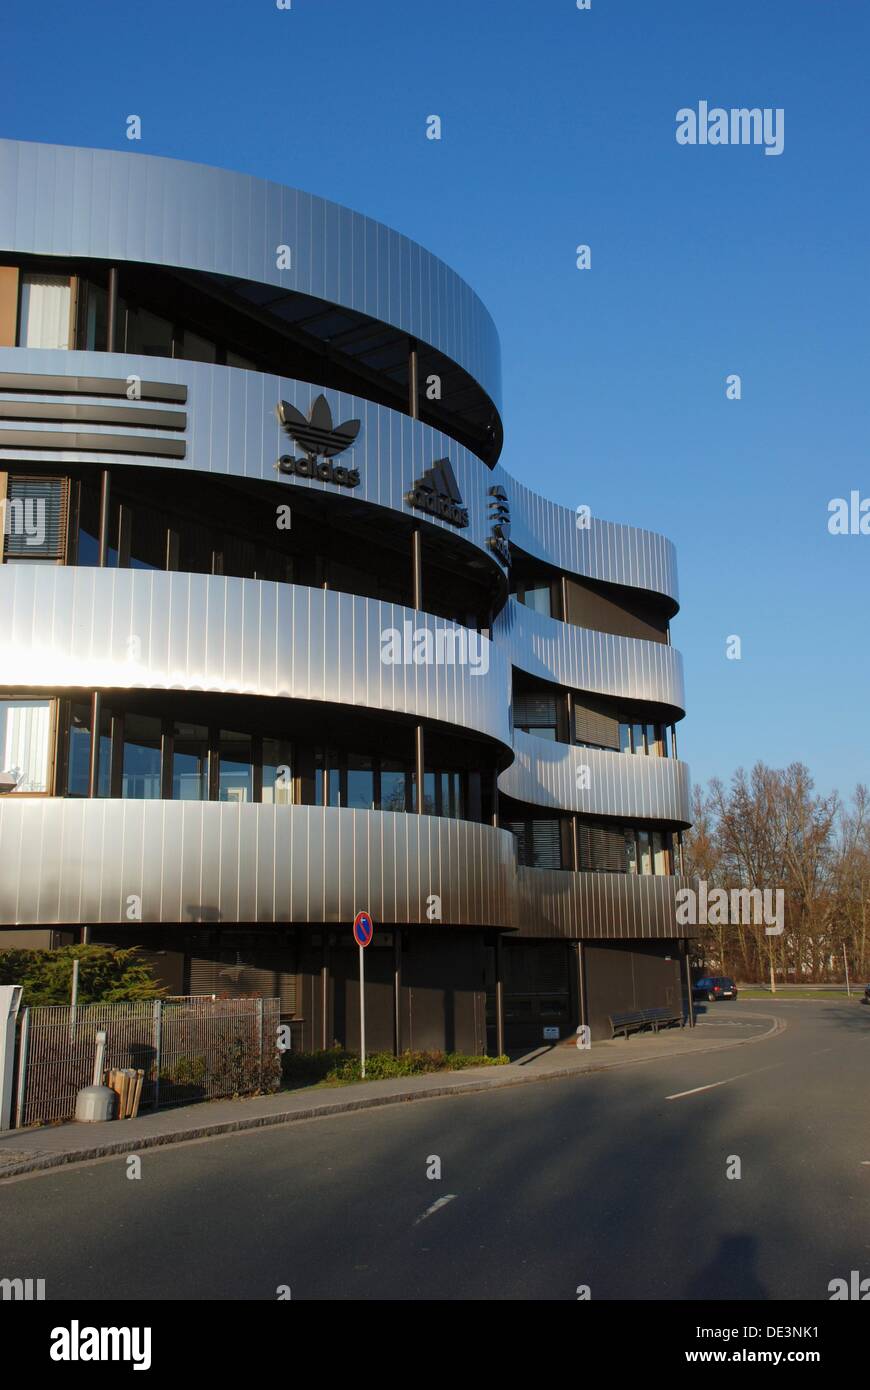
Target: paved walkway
[49, 1146]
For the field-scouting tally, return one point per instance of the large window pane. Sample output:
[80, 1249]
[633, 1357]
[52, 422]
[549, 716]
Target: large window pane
[360, 782]
[79, 754]
[277, 771]
[25, 730]
[35, 519]
[190, 762]
[630, 852]
[651, 740]
[45, 308]
[644, 851]
[392, 787]
[236, 767]
[140, 778]
[539, 597]
[625, 738]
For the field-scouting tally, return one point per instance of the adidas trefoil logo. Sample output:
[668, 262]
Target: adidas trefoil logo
[321, 442]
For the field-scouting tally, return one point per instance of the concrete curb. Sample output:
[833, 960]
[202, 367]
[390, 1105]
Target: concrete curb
[109, 1147]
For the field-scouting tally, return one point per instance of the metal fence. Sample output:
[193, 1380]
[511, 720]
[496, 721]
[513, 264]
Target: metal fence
[192, 1048]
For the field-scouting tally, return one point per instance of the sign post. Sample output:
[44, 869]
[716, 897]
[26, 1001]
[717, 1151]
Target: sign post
[363, 931]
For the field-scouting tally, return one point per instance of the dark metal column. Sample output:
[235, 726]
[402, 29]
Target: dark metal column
[499, 997]
[495, 798]
[419, 765]
[581, 984]
[111, 309]
[416, 569]
[324, 994]
[397, 992]
[413, 382]
[689, 983]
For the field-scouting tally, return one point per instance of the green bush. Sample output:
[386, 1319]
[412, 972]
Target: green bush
[336, 1067]
[106, 974]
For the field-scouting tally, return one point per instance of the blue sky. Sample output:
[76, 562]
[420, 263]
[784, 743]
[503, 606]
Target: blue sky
[558, 129]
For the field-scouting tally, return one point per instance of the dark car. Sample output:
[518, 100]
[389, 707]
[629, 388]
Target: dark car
[866, 999]
[714, 987]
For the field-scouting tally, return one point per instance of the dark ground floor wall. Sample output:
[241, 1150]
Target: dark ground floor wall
[426, 988]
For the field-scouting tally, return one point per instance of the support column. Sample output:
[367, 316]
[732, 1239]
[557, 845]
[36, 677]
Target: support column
[397, 992]
[495, 798]
[111, 308]
[324, 993]
[690, 1001]
[419, 765]
[416, 569]
[413, 382]
[581, 983]
[499, 996]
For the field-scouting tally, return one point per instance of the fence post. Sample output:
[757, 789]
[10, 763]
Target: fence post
[157, 1041]
[260, 1037]
[23, 1048]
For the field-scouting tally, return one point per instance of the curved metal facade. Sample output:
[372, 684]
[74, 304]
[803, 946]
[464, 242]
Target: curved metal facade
[199, 862]
[91, 629]
[123, 629]
[62, 201]
[555, 775]
[596, 662]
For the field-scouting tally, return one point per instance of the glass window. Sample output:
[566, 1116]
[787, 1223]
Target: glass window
[393, 784]
[651, 739]
[630, 852]
[234, 360]
[277, 772]
[429, 806]
[198, 349]
[236, 767]
[25, 733]
[644, 852]
[360, 782]
[451, 794]
[625, 738]
[149, 334]
[327, 778]
[189, 762]
[637, 738]
[79, 752]
[140, 778]
[661, 859]
[45, 310]
[94, 316]
[539, 598]
[665, 747]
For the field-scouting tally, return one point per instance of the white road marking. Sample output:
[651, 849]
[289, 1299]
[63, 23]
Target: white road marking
[678, 1095]
[442, 1202]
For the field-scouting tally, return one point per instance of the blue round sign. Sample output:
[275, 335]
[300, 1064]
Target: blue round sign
[363, 928]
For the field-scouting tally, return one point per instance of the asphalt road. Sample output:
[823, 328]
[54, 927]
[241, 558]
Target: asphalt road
[616, 1181]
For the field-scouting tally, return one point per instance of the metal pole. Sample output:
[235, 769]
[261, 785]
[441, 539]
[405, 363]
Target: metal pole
[413, 387]
[846, 964]
[74, 999]
[324, 993]
[397, 991]
[689, 982]
[362, 1011]
[99, 1058]
[23, 1050]
[584, 1018]
[260, 1037]
[157, 1042]
[111, 308]
[499, 999]
[105, 515]
[96, 721]
[416, 569]
[420, 766]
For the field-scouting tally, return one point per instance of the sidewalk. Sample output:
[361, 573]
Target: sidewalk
[51, 1146]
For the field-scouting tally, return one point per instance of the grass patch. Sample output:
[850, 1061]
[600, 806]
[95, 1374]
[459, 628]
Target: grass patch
[335, 1067]
[782, 994]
